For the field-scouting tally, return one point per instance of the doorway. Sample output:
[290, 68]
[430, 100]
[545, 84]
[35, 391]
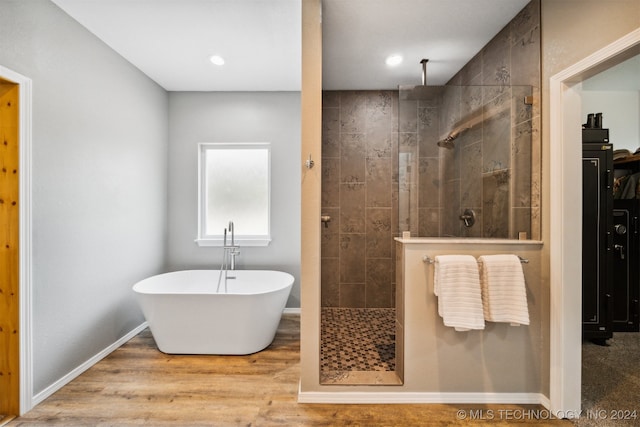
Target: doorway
[609, 373]
[565, 247]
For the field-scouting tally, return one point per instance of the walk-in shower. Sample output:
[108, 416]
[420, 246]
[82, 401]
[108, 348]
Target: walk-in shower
[462, 159]
[384, 172]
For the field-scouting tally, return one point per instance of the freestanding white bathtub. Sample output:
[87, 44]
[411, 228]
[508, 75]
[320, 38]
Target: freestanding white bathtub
[187, 316]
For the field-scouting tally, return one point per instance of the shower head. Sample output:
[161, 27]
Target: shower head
[448, 141]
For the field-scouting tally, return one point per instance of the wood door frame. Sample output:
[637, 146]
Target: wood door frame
[25, 238]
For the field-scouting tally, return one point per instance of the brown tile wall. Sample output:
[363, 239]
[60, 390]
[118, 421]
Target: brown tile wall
[359, 157]
[420, 171]
[498, 162]
[494, 167]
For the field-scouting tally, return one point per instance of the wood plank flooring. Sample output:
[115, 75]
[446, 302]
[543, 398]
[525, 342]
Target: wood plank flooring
[139, 385]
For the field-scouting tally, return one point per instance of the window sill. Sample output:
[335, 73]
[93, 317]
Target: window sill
[238, 242]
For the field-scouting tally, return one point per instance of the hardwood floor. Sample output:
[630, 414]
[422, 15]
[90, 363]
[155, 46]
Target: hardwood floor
[139, 385]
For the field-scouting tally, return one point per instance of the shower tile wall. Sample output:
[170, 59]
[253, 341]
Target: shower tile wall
[359, 160]
[494, 167]
[418, 126]
[503, 153]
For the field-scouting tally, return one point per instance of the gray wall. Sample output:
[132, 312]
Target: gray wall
[99, 184]
[236, 117]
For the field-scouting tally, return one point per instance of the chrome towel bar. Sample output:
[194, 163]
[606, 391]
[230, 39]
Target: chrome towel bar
[428, 260]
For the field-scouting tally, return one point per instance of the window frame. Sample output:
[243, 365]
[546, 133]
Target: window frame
[204, 239]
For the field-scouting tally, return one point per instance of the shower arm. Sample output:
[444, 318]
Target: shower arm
[424, 71]
[472, 119]
[463, 126]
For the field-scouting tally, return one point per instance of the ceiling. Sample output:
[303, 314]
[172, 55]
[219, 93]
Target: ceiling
[171, 40]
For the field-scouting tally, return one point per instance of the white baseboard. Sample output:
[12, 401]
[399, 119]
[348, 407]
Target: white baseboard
[426, 397]
[38, 398]
[292, 310]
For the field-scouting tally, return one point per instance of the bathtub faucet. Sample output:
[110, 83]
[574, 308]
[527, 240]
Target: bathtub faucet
[229, 254]
[233, 251]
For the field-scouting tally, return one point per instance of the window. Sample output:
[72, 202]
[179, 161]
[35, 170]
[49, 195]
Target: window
[234, 185]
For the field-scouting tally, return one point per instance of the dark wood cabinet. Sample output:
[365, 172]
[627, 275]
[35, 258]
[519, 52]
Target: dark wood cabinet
[597, 241]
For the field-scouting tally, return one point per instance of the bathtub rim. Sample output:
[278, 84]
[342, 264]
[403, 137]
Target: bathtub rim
[215, 272]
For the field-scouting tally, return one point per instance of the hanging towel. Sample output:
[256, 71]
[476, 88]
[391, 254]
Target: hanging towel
[504, 295]
[457, 284]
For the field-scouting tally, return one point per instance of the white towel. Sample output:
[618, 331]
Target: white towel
[457, 284]
[504, 295]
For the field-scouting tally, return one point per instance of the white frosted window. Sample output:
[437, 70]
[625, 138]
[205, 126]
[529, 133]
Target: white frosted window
[234, 186]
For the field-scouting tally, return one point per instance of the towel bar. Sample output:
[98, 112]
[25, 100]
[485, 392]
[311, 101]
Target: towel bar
[428, 260]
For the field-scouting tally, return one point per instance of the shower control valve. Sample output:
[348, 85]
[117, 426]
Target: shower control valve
[468, 217]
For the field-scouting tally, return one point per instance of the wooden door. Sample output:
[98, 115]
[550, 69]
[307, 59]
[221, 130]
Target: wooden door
[9, 250]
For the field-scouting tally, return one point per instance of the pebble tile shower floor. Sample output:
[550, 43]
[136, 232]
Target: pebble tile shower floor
[357, 339]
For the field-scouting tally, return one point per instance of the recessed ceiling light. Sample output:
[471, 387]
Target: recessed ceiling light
[393, 60]
[217, 60]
